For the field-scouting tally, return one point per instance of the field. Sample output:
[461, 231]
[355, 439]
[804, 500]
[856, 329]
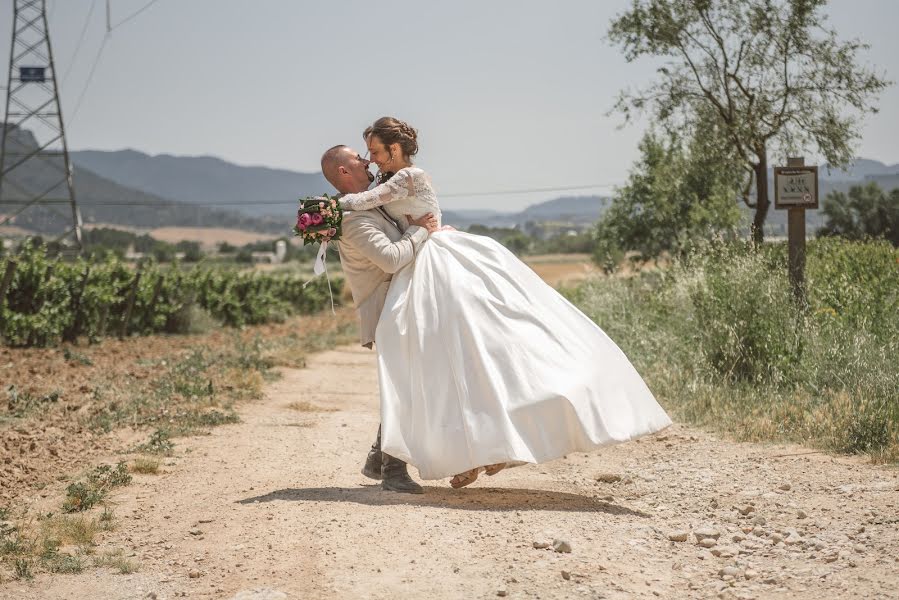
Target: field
[562, 269]
[208, 237]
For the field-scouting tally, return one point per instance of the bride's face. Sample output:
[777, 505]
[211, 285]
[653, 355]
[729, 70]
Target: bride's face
[381, 155]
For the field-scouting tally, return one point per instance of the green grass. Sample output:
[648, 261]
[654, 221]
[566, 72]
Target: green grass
[84, 494]
[722, 343]
[53, 543]
[23, 404]
[115, 560]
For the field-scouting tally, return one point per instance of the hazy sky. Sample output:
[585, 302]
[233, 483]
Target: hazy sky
[506, 95]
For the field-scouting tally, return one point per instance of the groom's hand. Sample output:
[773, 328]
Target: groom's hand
[428, 221]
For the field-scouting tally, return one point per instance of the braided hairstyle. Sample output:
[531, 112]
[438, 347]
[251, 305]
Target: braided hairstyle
[393, 131]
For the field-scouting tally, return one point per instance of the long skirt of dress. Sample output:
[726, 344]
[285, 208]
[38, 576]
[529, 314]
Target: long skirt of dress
[481, 362]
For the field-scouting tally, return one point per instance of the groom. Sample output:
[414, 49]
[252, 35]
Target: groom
[373, 248]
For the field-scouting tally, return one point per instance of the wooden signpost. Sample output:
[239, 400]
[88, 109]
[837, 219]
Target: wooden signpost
[796, 189]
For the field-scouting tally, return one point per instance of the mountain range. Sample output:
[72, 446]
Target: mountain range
[106, 200]
[131, 188]
[205, 180]
[270, 193]
[266, 193]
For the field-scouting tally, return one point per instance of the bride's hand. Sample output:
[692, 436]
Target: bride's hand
[428, 221]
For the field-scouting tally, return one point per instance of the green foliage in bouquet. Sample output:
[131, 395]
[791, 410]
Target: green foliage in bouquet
[319, 219]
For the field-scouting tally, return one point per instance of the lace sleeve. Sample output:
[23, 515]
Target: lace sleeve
[399, 186]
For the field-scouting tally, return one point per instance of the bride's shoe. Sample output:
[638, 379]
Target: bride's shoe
[466, 478]
[494, 469]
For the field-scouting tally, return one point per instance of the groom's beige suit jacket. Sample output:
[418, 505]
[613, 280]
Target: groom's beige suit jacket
[372, 248]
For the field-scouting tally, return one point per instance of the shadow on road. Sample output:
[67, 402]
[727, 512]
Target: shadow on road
[489, 498]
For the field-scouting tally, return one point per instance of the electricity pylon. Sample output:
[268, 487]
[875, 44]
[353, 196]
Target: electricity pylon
[35, 169]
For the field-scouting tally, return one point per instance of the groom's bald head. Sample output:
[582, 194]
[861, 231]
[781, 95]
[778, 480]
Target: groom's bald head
[346, 170]
[332, 159]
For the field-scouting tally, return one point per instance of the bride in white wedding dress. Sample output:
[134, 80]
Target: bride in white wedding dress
[482, 364]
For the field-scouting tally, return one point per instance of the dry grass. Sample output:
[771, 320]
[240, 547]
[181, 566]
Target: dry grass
[116, 560]
[145, 466]
[71, 530]
[306, 406]
[242, 384]
[55, 544]
[560, 269]
[292, 358]
[209, 237]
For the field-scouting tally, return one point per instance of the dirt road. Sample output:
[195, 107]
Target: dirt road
[275, 507]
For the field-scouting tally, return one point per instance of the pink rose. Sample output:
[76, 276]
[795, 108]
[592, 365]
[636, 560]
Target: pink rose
[321, 204]
[332, 232]
[305, 220]
[317, 219]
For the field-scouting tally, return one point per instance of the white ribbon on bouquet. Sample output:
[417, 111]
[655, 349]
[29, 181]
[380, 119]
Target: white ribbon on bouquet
[321, 266]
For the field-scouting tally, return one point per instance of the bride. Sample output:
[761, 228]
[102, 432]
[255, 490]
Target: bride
[515, 372]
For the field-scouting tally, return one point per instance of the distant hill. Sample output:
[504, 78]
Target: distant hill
[575, 210]
[858, 171]
[257, 191]
[104, 201]
[168, 190]
[265, 192]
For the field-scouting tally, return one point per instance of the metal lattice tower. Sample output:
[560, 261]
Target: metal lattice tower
[36, 187]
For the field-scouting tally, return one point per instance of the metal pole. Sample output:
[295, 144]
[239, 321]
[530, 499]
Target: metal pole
[76, 214]
[796, 242]
[12, 51]
[35, 94]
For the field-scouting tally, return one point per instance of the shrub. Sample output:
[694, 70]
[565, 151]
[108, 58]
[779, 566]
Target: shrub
[721, 342]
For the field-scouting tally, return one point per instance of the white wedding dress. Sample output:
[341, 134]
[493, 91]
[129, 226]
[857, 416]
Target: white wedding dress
[481, 362]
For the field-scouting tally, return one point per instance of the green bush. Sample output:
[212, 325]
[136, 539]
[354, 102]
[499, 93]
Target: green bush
[722, 342]
[49, 300]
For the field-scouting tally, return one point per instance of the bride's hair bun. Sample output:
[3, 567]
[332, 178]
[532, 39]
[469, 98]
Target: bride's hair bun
[393, 131]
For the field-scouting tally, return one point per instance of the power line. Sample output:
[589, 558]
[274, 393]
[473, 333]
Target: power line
[87, 21]
[109, 29]
[530, 190]
[293, 202]
[134, 14]
[90, 76]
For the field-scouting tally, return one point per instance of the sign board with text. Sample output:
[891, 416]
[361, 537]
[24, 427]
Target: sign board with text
[796, 187]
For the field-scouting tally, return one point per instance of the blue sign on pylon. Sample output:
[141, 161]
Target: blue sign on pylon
[31, 74]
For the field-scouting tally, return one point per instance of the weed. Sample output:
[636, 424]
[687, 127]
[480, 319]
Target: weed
[23, 403]
[306, 406]
[115, 560]
[82, 495]
[159, 443]
[23, 568]
[145, 466]
[76, 357]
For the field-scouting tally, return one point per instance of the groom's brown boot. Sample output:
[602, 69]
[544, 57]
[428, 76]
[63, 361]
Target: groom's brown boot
[372, 468]
[396, 477]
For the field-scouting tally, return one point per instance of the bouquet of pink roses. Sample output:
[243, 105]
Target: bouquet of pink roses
[319, 219]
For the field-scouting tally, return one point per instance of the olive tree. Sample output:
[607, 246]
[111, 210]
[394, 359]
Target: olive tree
[773, 73]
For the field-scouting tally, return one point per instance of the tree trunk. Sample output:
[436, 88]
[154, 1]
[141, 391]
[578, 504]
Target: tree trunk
[761, 203]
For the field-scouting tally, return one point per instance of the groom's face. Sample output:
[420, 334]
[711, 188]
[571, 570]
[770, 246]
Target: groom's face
[355, 174]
